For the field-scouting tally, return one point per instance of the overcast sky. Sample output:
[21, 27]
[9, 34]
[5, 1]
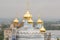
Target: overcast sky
[43, 8]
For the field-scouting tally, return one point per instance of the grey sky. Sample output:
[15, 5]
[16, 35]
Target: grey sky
[42, 8]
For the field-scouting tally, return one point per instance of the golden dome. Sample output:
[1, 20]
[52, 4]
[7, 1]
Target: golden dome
[42, 29]
[30, 21]
[27, 15]
[39, 21]
[16, 20]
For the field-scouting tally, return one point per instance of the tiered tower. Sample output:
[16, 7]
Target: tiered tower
[27, 17]
[30, 23]
[14, 26]
[15, 22]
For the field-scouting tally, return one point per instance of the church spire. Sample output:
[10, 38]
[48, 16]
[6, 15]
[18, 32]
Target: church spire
[27, 15]
[27, 4]
[16, 14]
[16, 18]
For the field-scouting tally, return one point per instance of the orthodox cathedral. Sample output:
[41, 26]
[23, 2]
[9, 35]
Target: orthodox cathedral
[27, 31]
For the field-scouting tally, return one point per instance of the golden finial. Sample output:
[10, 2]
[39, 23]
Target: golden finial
[39, 21]
[16, 15]
[27, 4]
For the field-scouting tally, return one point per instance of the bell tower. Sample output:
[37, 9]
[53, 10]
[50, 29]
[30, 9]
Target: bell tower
[27, 16]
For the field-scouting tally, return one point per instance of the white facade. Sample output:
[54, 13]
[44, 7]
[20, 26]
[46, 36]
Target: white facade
[28, 32]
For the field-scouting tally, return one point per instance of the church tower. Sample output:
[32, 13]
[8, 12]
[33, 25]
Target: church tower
[15, 22]
[14, 26]
[30, 23]
[14, 29]
[39, 23]
[27, 16]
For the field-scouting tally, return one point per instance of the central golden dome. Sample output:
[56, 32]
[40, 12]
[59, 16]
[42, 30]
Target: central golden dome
[16, 20]
[30, 21]
[42, 29]
[39, 21]
[27, 15]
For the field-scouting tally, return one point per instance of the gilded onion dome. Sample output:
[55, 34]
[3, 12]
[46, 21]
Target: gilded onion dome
[30, 21]
[42, 29]
[16, 20]
[27, 15]
[39, 21]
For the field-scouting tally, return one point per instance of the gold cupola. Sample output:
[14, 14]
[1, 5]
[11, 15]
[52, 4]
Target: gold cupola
[30, 21]
[42, 29]
[16, 20]
[27, 15]
[39, 21]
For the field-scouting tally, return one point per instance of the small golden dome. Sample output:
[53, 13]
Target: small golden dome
[30, 21]
[16, 20]
[27, 15]
[39, 21]
[42, 29]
